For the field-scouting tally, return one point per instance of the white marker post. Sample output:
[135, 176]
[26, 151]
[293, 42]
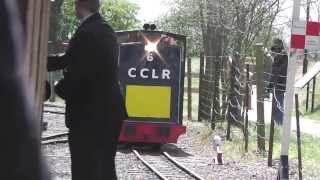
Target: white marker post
[288, 104]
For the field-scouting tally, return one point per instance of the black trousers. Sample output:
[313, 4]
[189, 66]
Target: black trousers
[93, 155]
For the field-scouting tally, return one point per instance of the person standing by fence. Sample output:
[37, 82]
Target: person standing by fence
[278, 79]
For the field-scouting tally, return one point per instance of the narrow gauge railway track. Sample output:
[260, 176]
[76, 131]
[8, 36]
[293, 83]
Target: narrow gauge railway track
[54, 136]
[166, 167]
[54, 139]
[54, 112]
[53, 109]
[54, 106]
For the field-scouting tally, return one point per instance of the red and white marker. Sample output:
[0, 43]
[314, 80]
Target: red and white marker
[305, 35]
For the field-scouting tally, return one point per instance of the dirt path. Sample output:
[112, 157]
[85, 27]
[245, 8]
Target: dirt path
[308, 126]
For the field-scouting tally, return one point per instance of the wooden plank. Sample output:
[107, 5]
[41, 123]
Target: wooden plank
[302, 82]
[30, 27]
[34, 38]
[36, 51]
[21, 158]
[42, 58]
[37, 59]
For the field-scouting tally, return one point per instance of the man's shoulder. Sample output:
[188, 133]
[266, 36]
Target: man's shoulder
[98, 26]
[97, 21]
[106, 25]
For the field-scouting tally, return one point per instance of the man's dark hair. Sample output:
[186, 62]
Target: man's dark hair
[277, 44]
[92, 5]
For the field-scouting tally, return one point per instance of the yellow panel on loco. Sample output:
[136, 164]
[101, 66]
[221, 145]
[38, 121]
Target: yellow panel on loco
[148, 101]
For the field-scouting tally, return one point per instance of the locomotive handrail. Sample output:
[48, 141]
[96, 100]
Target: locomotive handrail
[162, 32]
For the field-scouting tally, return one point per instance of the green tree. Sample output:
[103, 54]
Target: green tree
[222, 28]
[121, 14]
[183, 18]
[69, 23]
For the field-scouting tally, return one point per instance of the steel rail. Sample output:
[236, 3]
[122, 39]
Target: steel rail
[160, 176]
[54, 136]
[182, 167]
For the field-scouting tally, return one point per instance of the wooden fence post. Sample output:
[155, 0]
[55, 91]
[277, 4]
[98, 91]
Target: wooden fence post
[260, 98]
[298, 136]
[213, 81]
[224, 79]
[206, 90]
[216, 111]
[246, 133]
[189, 90]
[234, 108]
[230, 99]
[313, 93]
[200, 85]
[271, 136]
[307, 97]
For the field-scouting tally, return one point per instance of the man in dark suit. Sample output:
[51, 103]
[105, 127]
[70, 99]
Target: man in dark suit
[95, 108]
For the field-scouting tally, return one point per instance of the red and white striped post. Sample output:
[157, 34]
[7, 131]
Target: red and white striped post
[304, 35]
[288, 100]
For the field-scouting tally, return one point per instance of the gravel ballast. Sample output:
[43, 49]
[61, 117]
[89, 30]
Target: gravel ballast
[187, 151]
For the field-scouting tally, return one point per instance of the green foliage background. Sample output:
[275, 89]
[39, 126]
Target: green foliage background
[120, 14]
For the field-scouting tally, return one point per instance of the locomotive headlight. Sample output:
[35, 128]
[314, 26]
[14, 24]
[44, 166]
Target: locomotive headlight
[151, 47]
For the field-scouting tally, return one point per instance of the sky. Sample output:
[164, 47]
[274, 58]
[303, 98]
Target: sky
[285, 15]
[150, 9]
